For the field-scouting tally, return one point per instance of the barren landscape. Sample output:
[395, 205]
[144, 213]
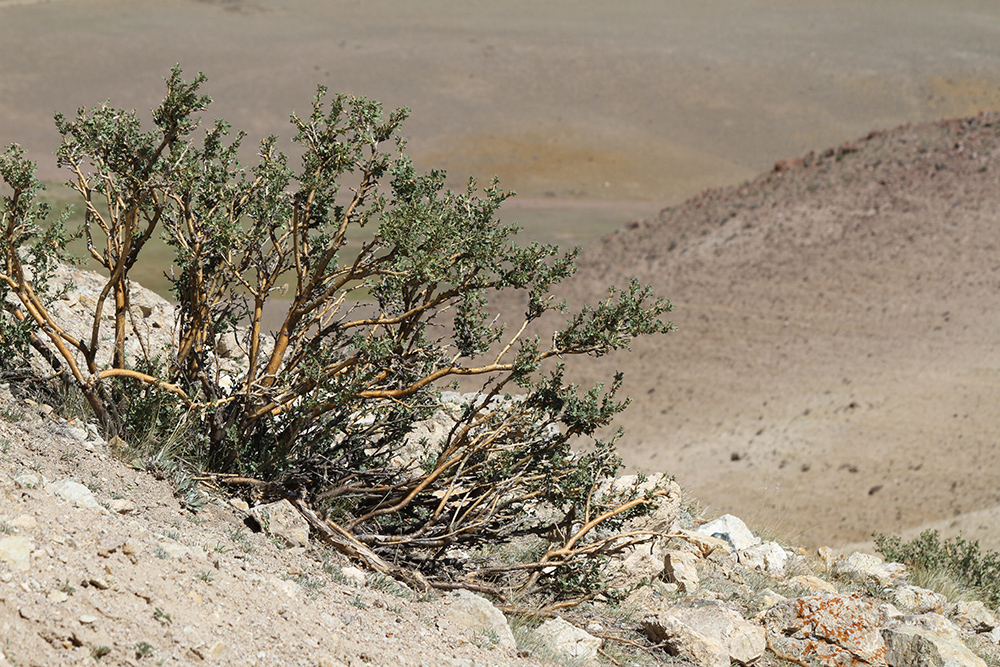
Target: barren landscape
[779, 170]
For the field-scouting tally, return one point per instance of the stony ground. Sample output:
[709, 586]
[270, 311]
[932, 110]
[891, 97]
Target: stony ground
[102, 562]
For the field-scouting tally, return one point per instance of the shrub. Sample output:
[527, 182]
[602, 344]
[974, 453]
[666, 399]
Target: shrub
[388, 277]
[958, 558]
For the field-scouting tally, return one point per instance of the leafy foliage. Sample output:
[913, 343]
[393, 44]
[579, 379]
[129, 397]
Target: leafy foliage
[957, 557]
[317, 409]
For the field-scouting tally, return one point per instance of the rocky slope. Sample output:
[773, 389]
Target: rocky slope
[836, 369]
[102, 562]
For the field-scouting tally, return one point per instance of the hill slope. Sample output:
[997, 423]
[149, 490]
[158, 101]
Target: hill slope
[836, 368]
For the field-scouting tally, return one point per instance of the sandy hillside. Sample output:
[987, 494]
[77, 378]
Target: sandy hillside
[837, 368]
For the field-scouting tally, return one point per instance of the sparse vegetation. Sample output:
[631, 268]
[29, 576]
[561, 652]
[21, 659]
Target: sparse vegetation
[319, 406]
[959, 560]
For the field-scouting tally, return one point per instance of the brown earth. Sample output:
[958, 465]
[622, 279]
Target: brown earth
[836, 368]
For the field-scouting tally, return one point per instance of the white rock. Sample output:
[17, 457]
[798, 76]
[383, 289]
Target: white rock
[74, 492]
[768, 557]
[914, 647]
[28, 480]
[680, 567]
[863, 567]
[16, 552]
[568, 641]
[812, 584]
[122, 506]
[354, 576]
[478, 615]
[932, 622]
[972, 616]
[281, 519]
[914, 598]
[731, 529]
[702, 625]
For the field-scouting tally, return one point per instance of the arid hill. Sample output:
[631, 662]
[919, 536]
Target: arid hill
[836, 368]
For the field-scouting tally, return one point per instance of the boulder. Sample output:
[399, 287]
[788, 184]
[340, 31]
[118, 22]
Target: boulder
[697, 627]
[972, 616]
[832, 630]
[477, 615]
[768, 557]
[568, 642]
[908, 646]
[864, 567]
[731, 529]
[919, 600]
[680, 567]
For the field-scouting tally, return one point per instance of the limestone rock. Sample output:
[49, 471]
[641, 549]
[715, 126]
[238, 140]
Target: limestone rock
[731, 529]
[16, 552]
[479, 616]
[972, 616]
[701, 625]
[813, 584]
[908, 646]
[705, 543]
[281, 519]
[679, 567]
[682, 640]
[919, 600]
[833, 630]
[28, 480]
[768, 557]
[354, 576]
[863, 567]
[932, 622]
[74, 492]
[568, 642]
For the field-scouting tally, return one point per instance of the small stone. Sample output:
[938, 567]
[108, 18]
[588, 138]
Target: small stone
[57, 597]
[354, 576]
[731, 529]
[24, 522]
[281, 519]
[100, 583]
[75, 493]
[16, 552]
[122, 506]
[218, 650]
[87, 619]
[240, 504]
[812, 584]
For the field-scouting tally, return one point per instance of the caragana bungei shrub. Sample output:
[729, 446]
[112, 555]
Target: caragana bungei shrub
[320, 406]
